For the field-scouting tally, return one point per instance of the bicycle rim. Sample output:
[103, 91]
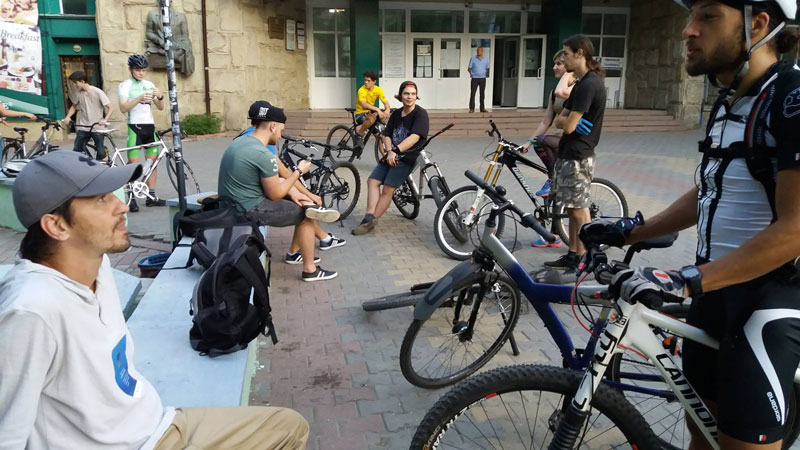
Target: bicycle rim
[341, 188]
[443, 349]
[456, 208]
[189, 180]
[341, 137]
[520, 407]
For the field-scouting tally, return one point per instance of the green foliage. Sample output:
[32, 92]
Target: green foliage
[201, 124]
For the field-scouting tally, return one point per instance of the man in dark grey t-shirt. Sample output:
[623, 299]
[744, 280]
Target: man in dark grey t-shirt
[582, 121]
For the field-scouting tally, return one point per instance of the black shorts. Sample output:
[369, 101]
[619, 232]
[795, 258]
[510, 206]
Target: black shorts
[751, 377]
[392, 176]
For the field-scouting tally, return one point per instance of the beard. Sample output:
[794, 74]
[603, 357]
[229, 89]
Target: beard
[727, 56]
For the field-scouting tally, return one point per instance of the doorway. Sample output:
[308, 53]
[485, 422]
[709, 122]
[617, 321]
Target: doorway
[506, 65]
[90, 65]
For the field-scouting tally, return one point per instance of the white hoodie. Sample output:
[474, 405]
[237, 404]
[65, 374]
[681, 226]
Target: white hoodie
[67, 379]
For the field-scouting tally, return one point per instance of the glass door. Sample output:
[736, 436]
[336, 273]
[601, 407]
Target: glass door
[531, 81]
[440, 71]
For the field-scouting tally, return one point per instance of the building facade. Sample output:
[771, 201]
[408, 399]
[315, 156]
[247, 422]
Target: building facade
[310, 54]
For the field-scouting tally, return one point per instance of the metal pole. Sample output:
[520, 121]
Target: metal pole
[173, 103]
[205, 57]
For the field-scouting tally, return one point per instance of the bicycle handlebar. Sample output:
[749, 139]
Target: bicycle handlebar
[428, 141]
[527, 219]
[308, 143]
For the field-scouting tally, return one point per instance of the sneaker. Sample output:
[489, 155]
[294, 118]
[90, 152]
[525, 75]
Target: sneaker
[484, 110]
[322, 214]
[133, 206]
[472, 110]
[154, 202]
[297, 258]
[365, 228]
[334, 242]
[545, 190]
[319, 275]
[541, 243]
[564, 262]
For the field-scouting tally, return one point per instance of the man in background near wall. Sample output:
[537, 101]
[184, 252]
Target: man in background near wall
[478, 69]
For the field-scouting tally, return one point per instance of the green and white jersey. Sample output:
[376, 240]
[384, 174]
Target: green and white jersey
[132, 88]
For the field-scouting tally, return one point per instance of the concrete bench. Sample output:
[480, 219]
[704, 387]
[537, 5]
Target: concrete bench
[160, 329]
[128, 286]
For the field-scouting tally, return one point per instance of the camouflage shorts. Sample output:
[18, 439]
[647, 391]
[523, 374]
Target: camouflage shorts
[573, 177]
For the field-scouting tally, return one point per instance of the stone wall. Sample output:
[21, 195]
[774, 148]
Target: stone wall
[655, 77]
[244, 63]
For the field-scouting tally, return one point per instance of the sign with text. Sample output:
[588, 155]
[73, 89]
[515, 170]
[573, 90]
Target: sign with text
[20, 58]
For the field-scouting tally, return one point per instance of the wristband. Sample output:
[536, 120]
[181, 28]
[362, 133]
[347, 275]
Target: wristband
[395, 150]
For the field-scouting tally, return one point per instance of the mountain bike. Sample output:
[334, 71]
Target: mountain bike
[16, 152]
[342, 137]
[468, 206]
[408, 195]
[591, 402]
[336, 182]
[139, 188]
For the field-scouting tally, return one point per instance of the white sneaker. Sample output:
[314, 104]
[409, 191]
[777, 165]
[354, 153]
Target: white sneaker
[322, 214]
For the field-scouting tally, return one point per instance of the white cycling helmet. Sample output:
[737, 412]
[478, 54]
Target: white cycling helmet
[787, 7]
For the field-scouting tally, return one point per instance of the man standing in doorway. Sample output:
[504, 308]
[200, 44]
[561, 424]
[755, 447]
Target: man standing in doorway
[478, 69]
[136, 95]
[93, 107]
[582, 120]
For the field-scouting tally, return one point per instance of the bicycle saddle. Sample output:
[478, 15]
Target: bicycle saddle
[350, 110]
[20, 130]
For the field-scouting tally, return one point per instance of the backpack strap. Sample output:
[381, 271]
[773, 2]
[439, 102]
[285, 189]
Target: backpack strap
[247, 257]
[759, 157]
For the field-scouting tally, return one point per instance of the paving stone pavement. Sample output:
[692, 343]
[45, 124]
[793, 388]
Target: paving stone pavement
[338, 365]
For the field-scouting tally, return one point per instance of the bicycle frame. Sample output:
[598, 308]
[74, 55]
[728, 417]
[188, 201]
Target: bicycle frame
[416, 189]
[149, 170]
[632, 328]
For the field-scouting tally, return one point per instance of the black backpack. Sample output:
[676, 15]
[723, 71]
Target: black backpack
[224, 319]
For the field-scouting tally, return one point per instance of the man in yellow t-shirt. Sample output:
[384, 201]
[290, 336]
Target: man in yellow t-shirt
[366, 111]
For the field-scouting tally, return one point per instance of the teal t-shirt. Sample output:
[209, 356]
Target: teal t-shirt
[245, 162]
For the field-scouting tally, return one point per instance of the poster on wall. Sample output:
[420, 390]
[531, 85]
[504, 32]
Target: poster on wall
[394, 56]
[20, 58]
[23, 12]
[290, 35]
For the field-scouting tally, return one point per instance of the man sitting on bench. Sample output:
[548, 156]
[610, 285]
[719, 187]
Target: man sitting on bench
[67, 378]
[249, 174]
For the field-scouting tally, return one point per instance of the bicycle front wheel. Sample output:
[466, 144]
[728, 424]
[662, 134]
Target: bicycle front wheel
[342, 137]
[606, 200]
[445, 348]
[462, 234]
[340, 188]
[520, 407]
[405, 201]
[190, 182]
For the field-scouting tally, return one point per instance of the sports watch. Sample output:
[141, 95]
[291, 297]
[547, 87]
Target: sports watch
[694, 279]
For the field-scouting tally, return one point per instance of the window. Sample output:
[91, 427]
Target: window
[423, 58]
[450, 61]
[534, 23]
[393, 20]
[494, 21]
[74, 7]
[431, 21]
[332, 53]
[607, 33]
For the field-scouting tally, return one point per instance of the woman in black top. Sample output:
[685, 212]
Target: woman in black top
[404, 134]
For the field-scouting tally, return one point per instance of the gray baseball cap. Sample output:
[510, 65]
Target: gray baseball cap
[50, 180]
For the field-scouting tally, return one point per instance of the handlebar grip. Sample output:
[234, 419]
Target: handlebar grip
[604, 277]
[448, 127]
[651, 300]
[528, 221]
[475, 179]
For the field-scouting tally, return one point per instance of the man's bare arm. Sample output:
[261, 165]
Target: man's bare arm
[680, 215]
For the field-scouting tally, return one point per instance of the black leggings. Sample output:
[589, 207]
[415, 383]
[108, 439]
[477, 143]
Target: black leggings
[547, 151]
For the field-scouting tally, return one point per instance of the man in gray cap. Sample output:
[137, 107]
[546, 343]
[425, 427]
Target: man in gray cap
[67, 378]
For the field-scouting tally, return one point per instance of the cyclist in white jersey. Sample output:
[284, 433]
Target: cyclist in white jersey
[745, 286]
[136, 95]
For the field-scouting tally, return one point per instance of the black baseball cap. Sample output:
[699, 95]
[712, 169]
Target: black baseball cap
[264, 110]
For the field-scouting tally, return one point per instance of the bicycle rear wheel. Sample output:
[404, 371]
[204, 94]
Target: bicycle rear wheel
[405, 201]
[342, 137]
[340, 188]
[606, 200]
[378, 153]
[520, 407]
[190, 182]
[460, 243]
[443, 349]
[12, 150]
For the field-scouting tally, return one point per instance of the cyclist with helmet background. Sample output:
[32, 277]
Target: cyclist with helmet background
[136, 95]
[744, 287]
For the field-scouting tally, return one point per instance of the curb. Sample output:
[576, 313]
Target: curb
[203, 137]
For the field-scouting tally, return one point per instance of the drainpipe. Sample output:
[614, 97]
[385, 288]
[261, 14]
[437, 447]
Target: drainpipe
[205, 58]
